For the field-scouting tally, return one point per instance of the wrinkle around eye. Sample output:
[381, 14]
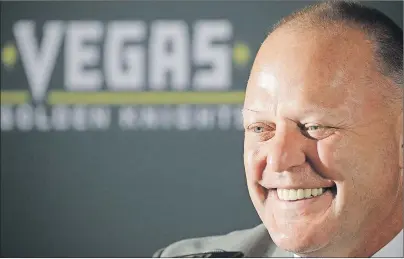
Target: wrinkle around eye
[264, 133]
[265, 126]
[321, 133]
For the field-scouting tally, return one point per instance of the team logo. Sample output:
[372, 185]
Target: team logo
[94, 75]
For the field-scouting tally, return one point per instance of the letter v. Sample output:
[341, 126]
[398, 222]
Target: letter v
[38, 62]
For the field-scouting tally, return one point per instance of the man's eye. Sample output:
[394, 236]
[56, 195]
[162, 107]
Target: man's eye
[317, 131]
[313, 127]
[258, 129]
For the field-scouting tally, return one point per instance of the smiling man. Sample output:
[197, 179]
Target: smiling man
[323, 119]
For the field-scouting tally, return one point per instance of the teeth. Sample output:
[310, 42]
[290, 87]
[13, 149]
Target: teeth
[286, 194]
[292, 195]
[300, 194]
[307, 193]
[280, 193]
[314, 192]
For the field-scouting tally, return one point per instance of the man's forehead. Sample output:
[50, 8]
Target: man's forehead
[268, 93]
[315, 51]
[295, 111]
[315, 77]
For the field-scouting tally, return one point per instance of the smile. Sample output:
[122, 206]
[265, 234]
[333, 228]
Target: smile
[296, 194]
[299, 194]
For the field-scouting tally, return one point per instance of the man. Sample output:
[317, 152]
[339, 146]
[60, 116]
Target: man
[323, 118]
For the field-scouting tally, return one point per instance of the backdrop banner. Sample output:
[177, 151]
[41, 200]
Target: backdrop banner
[121, 126]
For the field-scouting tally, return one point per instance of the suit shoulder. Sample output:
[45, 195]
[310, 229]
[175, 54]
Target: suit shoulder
[254, 240]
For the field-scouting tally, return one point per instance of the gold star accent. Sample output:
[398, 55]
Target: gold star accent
[241, 54]
[9, 55]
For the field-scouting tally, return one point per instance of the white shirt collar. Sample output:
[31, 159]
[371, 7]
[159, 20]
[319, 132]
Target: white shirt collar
[393, 249]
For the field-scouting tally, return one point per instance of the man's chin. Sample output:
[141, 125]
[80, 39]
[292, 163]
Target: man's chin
[299, 242]
[299, 247]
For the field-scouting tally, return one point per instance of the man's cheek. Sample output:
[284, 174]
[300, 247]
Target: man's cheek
[334, 156]
[249, 162]
[254, 162]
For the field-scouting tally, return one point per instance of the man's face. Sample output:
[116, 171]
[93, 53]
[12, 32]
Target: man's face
[321, 150]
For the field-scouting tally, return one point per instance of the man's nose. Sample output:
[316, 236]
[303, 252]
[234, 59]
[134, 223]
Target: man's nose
[285, 150]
